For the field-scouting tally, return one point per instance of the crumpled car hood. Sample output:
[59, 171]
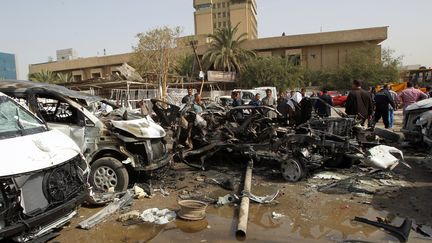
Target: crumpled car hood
[141, 128]
[383, 157]
[422, 104]
[35, 152]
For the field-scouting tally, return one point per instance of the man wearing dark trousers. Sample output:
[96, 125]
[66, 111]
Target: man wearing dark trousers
[382, 101]
[359, 102]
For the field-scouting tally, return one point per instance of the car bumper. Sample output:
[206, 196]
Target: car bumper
[45, 218]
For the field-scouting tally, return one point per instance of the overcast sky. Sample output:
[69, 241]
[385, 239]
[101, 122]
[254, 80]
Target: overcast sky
[34, 30]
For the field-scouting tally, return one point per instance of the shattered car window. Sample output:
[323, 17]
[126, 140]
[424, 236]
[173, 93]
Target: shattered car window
[15, 120]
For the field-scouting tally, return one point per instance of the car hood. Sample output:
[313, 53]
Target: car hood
[35, 152]
[422, 104]
[141, 128]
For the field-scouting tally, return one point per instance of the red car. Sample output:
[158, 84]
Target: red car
[338, 98]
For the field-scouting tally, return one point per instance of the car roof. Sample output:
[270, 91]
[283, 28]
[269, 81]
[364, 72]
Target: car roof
[23, 86]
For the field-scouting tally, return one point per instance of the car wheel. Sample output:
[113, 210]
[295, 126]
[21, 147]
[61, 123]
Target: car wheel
[108, 173]
[293, 169]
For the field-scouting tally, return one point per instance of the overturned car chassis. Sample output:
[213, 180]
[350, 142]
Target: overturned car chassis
[328, 142]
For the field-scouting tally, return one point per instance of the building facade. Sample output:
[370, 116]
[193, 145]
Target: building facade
[313, 51]
[213, 14]
[8, 67]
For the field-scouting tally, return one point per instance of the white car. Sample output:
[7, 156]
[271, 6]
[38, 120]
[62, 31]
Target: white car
[43, 175]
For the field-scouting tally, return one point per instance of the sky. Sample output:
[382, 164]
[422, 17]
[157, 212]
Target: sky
[34, 30]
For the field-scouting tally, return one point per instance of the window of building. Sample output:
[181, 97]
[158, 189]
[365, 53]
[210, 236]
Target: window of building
[218, 5]
[224, 24]
[228, 14]
[96, 75]
[219, 15]
[214, 15]
[219, 24]
[223, 5]
[214, 5]
[224, 14]
[295, 59]
[214, 25]
[228, 4]
[77, 78]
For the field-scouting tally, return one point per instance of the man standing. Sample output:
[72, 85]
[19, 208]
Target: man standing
[270, 101]
[198, 104]
[236, 99]
[392, 109]
[256, 101]
[411, 95]
[189, 98]
[359, 102]
[321, 108]
[383, 100]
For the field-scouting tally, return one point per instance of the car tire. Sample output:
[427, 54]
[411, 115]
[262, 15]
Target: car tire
[293, 169]
[108, 172]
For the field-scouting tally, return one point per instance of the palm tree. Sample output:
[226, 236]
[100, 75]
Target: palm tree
[45, 76]
[64, 77]
[225, 53]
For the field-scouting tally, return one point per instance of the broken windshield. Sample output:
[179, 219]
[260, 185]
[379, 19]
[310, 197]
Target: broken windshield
[16, 121]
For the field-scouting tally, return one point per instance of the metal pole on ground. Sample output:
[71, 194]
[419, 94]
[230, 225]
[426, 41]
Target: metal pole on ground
[244, 205]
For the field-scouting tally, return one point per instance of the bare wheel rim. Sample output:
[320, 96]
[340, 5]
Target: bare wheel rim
[291, 170]
[105, 178]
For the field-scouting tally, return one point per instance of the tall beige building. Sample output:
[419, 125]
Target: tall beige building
[213, 14]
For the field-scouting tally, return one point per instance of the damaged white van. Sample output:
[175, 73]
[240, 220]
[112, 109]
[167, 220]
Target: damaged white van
[43, 176]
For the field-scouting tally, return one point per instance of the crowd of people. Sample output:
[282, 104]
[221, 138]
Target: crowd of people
[372, 106]
[296, 107]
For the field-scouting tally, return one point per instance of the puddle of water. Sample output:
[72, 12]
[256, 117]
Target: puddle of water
[317, 218]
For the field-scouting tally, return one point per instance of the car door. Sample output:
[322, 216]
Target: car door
[62, 116]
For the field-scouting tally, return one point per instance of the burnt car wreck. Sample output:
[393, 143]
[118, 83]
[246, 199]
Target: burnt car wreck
[250, 132]
[45, 178]
[112, 140]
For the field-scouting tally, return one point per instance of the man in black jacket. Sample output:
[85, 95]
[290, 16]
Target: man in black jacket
[359, 102]
[321, 108]
[382, 101]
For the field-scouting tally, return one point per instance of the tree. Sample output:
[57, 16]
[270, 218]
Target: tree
[186, 66]
[155, 53]
[225, 52]
[271, 71]
[64, 77]
[45, 76]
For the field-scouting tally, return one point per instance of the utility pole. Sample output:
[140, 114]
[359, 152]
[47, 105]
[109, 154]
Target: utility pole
[193, 44]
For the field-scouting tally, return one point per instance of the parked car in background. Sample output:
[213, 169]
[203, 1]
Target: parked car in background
[43, 175]
[338, 98]
[112, 142]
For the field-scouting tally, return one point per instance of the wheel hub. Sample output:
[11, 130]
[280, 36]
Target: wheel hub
[291, 170]
[105, 178]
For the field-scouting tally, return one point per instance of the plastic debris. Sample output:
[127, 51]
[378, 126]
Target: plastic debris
[277, 215]
[132, 215]
[227, 199]
[158, 216]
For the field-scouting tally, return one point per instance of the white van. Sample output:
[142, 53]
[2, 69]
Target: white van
[43, 176]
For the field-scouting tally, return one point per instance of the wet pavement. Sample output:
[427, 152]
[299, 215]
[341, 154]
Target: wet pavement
[308, 215]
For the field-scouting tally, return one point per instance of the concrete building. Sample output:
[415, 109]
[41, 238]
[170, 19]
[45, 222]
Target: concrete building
[8, 67]
[213, 14]
[313, 51]
[66, 54]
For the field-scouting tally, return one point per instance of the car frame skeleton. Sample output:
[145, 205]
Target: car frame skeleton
[112, 142]
[249, 132]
